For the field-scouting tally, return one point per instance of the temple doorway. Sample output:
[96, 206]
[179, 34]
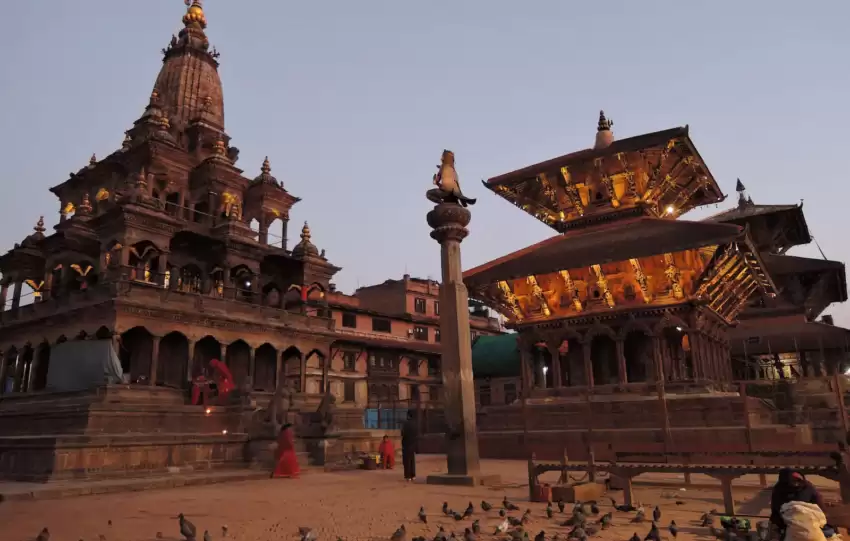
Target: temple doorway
[265, 368]
[206, 349]
[172, 360]
[135, 352]
[637, 350]
[42, 365]
[238, 359]
[603, 351]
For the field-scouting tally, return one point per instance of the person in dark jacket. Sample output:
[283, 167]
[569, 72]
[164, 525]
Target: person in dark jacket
[792, 486]
[409, 447]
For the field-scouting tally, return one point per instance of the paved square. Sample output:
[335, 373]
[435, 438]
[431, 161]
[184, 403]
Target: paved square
[355, 505]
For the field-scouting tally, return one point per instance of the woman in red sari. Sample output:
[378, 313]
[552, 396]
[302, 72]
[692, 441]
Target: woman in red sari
[287, 461]
[223, 379]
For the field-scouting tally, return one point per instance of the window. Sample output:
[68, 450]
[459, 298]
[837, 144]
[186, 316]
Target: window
[420, 333]
[419, 305]
[436, 335]
[433, 393]
[510, 393]
[413, 366]
[349, 361]
[484, 395]
[414, 393]
[433, 367]
[381, 325]
[436, 308]
[349, 320]
[348, 391]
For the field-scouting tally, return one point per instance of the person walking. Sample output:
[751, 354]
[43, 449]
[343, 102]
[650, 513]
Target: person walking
[409, 447]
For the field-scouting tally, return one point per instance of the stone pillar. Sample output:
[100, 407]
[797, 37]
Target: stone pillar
[622, 373]
[161, 268]
[190, 362]
[283, 228]
[449, 220]
[251, 367]
[154, 359]
[16, 296]
[264, 231]
[557, 376]
[525, 369]
[4, 293]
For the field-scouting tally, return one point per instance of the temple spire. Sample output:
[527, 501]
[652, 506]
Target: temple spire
[39, 227]
[604, 135]
[743, 199]
[195, 14]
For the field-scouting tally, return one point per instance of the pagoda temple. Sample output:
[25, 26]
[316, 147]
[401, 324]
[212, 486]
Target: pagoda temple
[626, 292]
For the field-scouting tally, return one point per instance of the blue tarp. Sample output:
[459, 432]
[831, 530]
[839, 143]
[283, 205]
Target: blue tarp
[83, 364]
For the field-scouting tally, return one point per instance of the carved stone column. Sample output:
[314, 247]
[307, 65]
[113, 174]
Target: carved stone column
[16, 296]
[555, 354]
[525, 368]
[449, 221]
[622, 372]
[154, 359]
[283, 228]
[190, 362]
[4, 293]
[251, 367]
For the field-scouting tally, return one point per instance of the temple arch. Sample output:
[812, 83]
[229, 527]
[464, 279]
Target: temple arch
[271, 295]
[638, 352]
[265, 368]
[206, 349]
[10, 362]
[42, 365]
[135, 352]
[23, 367]
[238, 359]
[172, 360]
[603, 354]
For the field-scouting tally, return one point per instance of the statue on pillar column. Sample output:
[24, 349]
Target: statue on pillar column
[449, 219]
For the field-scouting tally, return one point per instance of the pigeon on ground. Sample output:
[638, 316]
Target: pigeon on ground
[224, 531]
[476, 527]
[207, 536]
[502, 513]
[43, 535]
[457, 516]
[469, 536]
[549, 511]
[625, 508]
[540, 536]
[639, 516]
[503, 527]
[605, 521]
[508, 505]
[707, 520]
[656, 514]
[423, 518]
[399, 535]
[441, 535]
[674, 530]
[561, 506]
[763, 530]
[486, 506]
[446, 508]
[469, 510]
[594, 509]
[513, 521]
[634, 537]
[654, 534]
[187, 529]
[307, 534]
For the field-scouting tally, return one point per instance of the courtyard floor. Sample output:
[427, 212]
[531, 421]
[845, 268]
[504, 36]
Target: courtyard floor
[351, 505]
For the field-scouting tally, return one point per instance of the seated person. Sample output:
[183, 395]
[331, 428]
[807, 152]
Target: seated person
[792, 486]
[387, 452]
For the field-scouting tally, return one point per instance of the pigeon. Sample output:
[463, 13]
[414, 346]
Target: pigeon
[457, 516]
[639, 516]
[469, 510]
[540, 536]
[441, 535]
[502, 513]
[446, 508]
[508, 505]
[399, 535]
[476, 527]
[513, 521]
[549, 511]
[594, 509]
[423, 518]
[526, 517]
[590, 529]
[680, 502]
[43, 535]
[561, 506]
[654, 534]
[625, 508]
[224, 531]
[674, 530]
[707, 520]
[577, 533]
[159, 535]
[485, 506]
[634, 537]
[109, 522]
[207, 536]
[307, 534]
[656, 514]
[101, 537]
[187, 529]
[503, 527]
[417, 538]
[468, 535]
[763, 530]
[605, 521]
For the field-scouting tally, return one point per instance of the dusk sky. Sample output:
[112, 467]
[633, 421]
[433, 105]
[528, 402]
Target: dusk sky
[353, 102]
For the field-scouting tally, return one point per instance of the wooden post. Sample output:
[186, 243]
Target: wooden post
[525, 443]
[532, 478]
[686, 461]
[591, 463]
[628, 496]
[842, 408]
[565, 475]
[728, 501]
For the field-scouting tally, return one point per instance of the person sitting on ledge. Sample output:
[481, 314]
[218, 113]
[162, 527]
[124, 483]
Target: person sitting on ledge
[387, 451]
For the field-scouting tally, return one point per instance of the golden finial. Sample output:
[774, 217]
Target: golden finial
[194, 14]
[85, 207]
[604, 123]
[305, 233]
[39, 227]
[92, 160]
[267, 167]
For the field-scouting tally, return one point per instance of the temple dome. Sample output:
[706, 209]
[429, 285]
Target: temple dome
[188, 82]
[306, 246]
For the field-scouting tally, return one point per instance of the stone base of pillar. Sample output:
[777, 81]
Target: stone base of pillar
[463, 480]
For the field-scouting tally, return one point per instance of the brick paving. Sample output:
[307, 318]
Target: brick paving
[353, 505]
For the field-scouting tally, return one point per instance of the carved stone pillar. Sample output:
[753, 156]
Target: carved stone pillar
[251, 367]
[161, 268]
[657, 359]
[555, 354]
[622, 372]
[4, 293]
[154, 360]
[448, 221]
[190, 362]
[284, 226]
[33, 368]
[278, 370]
[16, 296]
[264, 231]
[588, 364]
[525, 369]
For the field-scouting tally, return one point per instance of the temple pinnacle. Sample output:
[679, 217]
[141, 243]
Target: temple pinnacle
[267, 168]
[194, 14]
[305, 233]
[85, 207]
[739, 186]
[604, 123]
[39, 227]
[604, 135]
[92, 160]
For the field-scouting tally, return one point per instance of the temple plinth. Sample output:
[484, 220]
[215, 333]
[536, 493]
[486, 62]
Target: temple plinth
[449, 219]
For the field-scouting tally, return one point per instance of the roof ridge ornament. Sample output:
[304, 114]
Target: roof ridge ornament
[604, 135]
[39, 226]
[194, 14]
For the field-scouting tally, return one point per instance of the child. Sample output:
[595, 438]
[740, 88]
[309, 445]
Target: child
[387, 451]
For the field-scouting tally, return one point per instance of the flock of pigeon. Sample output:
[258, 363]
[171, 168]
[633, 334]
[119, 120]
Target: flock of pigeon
[585, 521]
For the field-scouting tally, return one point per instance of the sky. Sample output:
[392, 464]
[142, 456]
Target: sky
[353, 102]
